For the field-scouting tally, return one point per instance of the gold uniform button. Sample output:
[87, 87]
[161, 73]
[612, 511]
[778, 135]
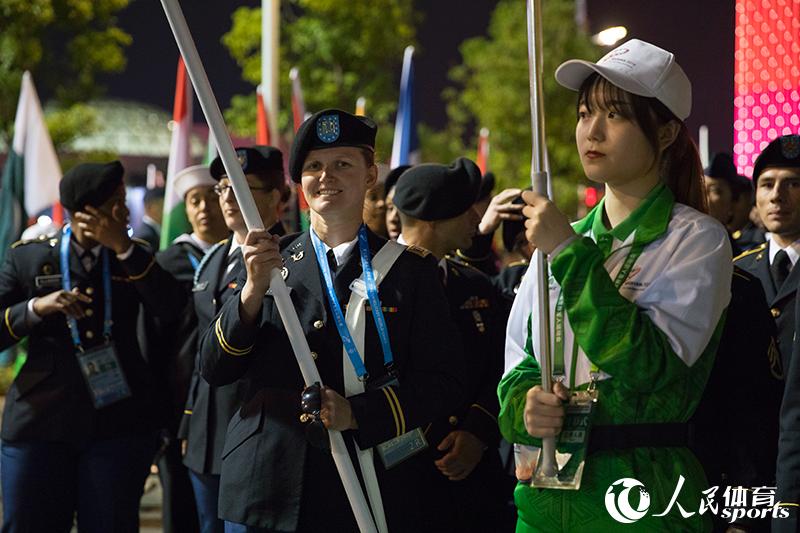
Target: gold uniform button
[775, 312]
[453, 420]
[318, 324]
[89, 312]
[89, 290]
[90, 334]
[314, 356]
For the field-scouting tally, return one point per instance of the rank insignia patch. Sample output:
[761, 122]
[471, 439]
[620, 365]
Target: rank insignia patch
[790, 146]
[298, 256]
[284, 273]
[328, 128]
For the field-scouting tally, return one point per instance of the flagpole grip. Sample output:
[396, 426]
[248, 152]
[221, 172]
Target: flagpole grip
[540, 183]
[244, 197]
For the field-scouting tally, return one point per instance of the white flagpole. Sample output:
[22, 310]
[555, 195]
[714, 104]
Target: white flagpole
[294, 330]
[270, 42]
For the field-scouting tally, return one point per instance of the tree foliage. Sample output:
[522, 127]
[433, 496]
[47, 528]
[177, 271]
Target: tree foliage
[65, 44]
[343, 50]
[492, 90]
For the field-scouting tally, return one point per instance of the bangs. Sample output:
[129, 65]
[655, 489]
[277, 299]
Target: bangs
[598, 92]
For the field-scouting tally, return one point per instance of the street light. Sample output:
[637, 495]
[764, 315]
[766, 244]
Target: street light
[610, 36]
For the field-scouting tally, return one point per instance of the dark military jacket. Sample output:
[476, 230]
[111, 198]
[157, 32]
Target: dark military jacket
[208, 409]
[731, 411]
[780, 301]
[172, 345]
[747, 238]
[49, 399]
[788, 468]
[477, 314]
[270, 477]
[475, 503]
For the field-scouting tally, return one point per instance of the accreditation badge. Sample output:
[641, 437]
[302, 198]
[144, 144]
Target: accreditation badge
[103, 375]
[396, 450]
[571, 443]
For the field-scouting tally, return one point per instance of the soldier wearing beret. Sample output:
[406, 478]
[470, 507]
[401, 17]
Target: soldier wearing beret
[519, 249]
[776, 176]
[174, 343]
[480, 253]
[381, 391]
[208, 409]
[392, 216]
[723, 183]
[78, 431]
[436, 204]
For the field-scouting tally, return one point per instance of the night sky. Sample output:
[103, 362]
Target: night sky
[699, 33]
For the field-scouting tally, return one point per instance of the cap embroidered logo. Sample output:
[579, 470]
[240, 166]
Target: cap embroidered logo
[328, 128]
[790, 146]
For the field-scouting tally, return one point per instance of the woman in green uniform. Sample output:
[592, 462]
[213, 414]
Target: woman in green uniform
[638, 290]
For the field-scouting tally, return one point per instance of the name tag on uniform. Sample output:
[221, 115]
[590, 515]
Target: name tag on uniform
[103, 375]
[53, 280]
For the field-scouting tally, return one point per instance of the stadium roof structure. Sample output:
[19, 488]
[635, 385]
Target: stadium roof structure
[131, 129]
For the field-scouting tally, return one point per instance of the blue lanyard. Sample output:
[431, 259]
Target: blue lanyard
[193, 260]
[372, 294]
[66, 284]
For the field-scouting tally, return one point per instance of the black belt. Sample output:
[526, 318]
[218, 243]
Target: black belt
[627, 436]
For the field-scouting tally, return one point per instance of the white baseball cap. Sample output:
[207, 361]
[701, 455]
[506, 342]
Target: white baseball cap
[639, 68]
[191, 177]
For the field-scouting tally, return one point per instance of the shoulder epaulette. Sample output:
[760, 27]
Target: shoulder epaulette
[205, 259]
[40, 238]
[143, 242]
[422, 252]
[759, 248]
[465, 257]
[466, 265]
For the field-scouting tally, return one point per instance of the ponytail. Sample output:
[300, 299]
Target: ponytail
[682, 171]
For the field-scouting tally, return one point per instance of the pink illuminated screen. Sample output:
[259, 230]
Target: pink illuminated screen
[767, 79]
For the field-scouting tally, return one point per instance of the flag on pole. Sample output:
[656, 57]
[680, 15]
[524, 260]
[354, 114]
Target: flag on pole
[211, 149]
[482, 158]
[262, 120]
[361, 106]
[175, 222]
[405, 149]
[298, 102]
[31, 173]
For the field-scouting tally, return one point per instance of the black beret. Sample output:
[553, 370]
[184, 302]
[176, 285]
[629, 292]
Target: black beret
[329, 128]
[781, 152]
[438, 192]
[90, 184]
[392, 177]
[487, 186]
[263, 161]
[723, 168]
[512, 228]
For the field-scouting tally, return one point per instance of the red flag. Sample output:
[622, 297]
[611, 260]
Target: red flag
[298, 103]
[262, 124]
[482, 159]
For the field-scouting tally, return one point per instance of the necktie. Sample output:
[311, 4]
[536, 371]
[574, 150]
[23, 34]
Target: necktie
[87, 260]
[780, 268]
[332, 261]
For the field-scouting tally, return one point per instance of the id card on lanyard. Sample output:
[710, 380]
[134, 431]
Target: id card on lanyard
[100, 366]
[394, 451]
[572, 441]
